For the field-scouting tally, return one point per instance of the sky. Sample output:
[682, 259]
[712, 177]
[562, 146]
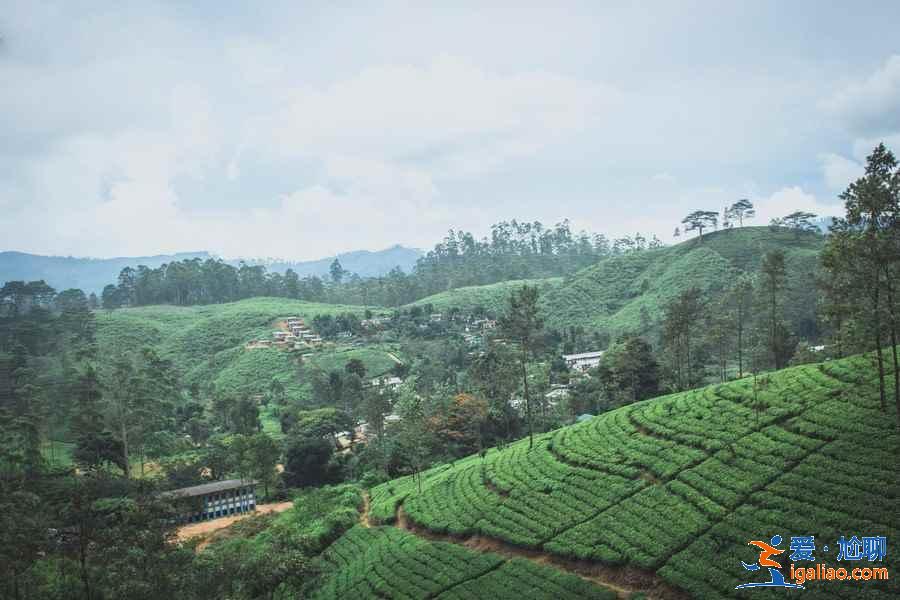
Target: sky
[300, 130]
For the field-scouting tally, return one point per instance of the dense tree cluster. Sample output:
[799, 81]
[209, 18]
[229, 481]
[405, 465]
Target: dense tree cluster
[862, 259]
[513, 251]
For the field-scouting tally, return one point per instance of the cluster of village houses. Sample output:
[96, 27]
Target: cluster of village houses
[295, 335]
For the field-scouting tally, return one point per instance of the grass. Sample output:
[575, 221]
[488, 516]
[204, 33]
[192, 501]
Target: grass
[206, 343]
[628, 293]
[384, 562]
[492, 297]
[376, 360]
[676, 486]
[58, 454]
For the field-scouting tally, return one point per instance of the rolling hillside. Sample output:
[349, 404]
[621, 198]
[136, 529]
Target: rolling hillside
[207, 342]
[491, 297]
[612, 294]
[659, 497]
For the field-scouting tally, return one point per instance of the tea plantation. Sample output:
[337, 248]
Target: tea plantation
[385, 562]
[674, 487]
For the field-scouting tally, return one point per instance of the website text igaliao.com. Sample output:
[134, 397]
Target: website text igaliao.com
[820, 572]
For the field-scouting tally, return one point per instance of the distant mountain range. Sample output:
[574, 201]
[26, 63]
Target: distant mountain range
[91, 274]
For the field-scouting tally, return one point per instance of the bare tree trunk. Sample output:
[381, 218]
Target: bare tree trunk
[124, 430]
[772, 333]
[82, 559]
[527, 397]
[893, 320]
[876, 315]
[741, 338]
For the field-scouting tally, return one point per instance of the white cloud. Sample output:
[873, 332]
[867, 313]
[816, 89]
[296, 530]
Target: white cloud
[450, 115]
[786, 200]
[140, 128]
[382, 138]
[872, 105]
[839, 171]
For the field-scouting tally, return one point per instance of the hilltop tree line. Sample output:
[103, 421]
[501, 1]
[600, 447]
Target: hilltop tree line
[513, 251]
[699, 220]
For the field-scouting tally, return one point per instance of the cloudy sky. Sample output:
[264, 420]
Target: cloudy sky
[305, 129]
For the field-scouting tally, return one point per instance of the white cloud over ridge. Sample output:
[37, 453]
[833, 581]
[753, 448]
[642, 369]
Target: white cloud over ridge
[148, 128]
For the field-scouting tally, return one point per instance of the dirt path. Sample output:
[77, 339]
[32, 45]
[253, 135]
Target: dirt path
[364, 515]
[205, 529]
[623, 581]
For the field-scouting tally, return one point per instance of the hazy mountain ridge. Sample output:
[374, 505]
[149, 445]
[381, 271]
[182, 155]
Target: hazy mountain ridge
[91, 274]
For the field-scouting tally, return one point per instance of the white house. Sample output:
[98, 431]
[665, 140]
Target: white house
[584, 361]
[390, 382]
[554, 396]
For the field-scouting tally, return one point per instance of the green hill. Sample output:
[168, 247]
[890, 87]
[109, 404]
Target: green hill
[660, 496]
[490, 297]
[612, 294]
[206, 343]
[626, 293]
[385, 562]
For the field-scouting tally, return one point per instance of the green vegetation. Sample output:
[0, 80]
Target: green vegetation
[384, 562]
[376, 360]
[272, 556]
[626, 294]
[668, 484]
[206, 343]
[492, 298]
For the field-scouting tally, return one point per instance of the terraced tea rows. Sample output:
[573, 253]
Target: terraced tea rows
[677, 485]
[385, 562]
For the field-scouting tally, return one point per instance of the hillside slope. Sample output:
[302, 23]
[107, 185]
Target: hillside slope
[612, 294]
[666, 493]
[491, 297]
[627, 293]
[206, 343]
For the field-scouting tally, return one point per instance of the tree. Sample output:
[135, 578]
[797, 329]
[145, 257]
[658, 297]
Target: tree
[740, 301]
[276, 389]
[245, 417]
[291, 284]
[306, 461]
[800, 222]
[863, 251]
[740, 210]
[335, 388]
[718, 335]
[337, 271]
[263, 453]
[322, 422]
[377, 402]
[461, 427]
[773, 275]
[681, 318]
[629, 372]
[356, 366]
[522, 325]
[412, 443]
[700, 220]
[494, 376]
